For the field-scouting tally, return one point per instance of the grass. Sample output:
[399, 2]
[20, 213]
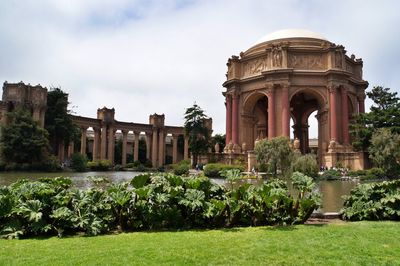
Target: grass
[361, 243]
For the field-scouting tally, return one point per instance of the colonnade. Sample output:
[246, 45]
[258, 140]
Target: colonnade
[278, 124]
[105, 136]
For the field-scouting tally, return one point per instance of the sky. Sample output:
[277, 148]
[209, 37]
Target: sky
[146, 56]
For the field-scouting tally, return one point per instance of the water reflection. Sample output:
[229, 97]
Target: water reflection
[332, 191]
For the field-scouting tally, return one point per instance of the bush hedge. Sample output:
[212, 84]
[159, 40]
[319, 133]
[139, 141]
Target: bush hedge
[53, 207]
[99, 165]
[214, 169]
[373, 201]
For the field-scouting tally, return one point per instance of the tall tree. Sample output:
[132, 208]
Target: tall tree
[58, 121]
[384, 113]
[385, 151]
[23, 141]
[196, 130]
[276, 153]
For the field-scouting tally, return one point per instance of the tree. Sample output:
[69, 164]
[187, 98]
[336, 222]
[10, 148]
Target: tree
[58, 121]
[306, 164]
[24, 141]
[276, 153]
[196, 131]
[385, 113]
[385, 151]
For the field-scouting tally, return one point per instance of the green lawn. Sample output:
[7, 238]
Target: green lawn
[362, 243]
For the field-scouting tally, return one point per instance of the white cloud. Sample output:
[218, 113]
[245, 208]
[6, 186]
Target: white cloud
[142, 57]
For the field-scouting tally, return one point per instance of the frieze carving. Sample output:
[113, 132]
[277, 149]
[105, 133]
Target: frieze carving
[254, 67]
[315, 62]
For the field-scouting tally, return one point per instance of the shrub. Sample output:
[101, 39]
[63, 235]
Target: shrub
[148, 164]
[331, 174]
[49, 207]
[78, 162]
[306, 164]
[118, 167]
[375, 173]
[215, 169]
[373, 201]
[100, 165]
[357, 173]
[181, 169]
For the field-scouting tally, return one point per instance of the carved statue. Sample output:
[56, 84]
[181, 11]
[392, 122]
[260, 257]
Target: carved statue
[277, 56]
[296, 144]
[338, 59]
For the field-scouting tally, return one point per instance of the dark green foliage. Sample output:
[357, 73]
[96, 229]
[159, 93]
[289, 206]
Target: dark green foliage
[24, 141]
[51, 207]
[384, 113]
[78, 162]
[385, 151]
[275, 153]
[215, 169]
[181, 168]
[331, 174]
[58, 121]
[197, 132]
[306, 164]
[373, 201]
[99, 165]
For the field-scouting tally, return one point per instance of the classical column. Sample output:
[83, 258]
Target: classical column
[271, 112]
[96, 141]
[111, 143]
[235, 128]
[124, 143]
[154, 149]
[174, 148]
[345, 117]
[228, 119]
[83, 140]
[70, 149]
[136, 147]
[285, 111]
[61, 151]
[161, 144]
[333, 114]
[186, 149]
[103, 150]
[361, 105]
[148, 145]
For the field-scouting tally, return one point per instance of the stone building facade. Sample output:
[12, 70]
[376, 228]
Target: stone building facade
[288, 75]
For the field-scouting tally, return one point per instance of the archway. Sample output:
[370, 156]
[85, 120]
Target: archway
[255, 123]
[305, 103]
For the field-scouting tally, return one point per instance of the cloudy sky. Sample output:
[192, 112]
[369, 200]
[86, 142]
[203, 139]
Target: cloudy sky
[143, 56]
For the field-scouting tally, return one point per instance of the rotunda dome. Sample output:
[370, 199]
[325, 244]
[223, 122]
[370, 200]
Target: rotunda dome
[290, 34]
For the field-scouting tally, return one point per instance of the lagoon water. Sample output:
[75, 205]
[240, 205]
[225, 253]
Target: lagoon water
[332, 191]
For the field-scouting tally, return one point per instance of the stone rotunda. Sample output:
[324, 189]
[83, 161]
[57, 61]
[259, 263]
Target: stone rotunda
[287, 75]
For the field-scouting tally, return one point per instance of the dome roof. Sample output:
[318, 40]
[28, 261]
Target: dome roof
[290, 33]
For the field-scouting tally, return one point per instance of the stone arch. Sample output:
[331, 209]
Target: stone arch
[251, 99]
[303, 102]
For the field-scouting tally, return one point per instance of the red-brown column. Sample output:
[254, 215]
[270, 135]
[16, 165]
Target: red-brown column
[271, 113]
[228, 119]
[235, 129]
[361, 106]
[345, 117]
[285, 112]
[332, 101]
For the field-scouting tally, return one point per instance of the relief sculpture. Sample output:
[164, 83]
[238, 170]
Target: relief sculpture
[254, 67]
[306, 61]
